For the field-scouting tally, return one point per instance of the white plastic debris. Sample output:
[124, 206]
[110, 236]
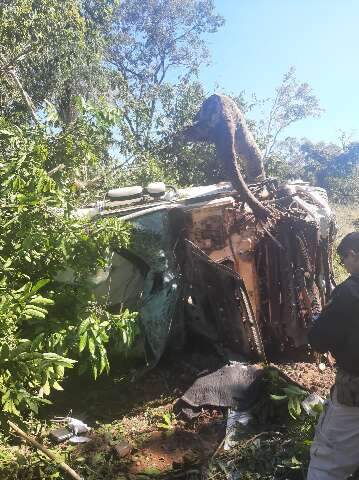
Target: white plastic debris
[77, 426]
[79, 439]
[322, 367]
[235, 419]
[310, 402]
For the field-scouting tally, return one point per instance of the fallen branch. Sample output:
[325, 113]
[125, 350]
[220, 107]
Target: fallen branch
[45, 450]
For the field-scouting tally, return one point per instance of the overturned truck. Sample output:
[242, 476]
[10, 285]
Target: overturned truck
[242, 266]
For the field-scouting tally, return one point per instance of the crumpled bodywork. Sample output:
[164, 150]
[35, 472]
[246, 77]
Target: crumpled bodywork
[204, 266]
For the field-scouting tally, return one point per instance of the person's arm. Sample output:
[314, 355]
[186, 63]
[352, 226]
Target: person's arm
[331, 329]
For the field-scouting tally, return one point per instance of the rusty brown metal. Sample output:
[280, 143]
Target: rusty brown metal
[281, 263]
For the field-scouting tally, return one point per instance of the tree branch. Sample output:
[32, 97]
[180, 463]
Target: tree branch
[9, 70]
[280, 129]
[24, 94]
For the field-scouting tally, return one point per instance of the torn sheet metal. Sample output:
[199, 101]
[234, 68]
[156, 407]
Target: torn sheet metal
[217, 304]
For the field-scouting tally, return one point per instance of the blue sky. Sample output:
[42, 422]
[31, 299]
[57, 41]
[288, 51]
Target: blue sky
[261, 39]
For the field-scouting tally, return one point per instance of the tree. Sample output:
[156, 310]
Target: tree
[293, 101]
[148, 41]
[328, 165]
[186, 164]
[49, 49]
[333, 167]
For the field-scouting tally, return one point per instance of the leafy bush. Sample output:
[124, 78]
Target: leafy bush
[46, 326]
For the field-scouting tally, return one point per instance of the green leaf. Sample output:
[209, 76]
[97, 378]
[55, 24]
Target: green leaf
[7, 264]
[57, 386]
[7, 132]
[103, 362]
[84, 325]
[294, 390]
[5, 397]
[34, 313]
[91, 345]
[39, 300]
[46, 388]
[37, 308]
[294, 407]
[83, 341]
[53, 357]
[33, 406]
[39, 284]
[278, 397]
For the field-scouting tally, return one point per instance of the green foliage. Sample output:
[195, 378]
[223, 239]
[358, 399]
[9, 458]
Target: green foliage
[55, 48]
[27, 373]
[45, 325]
[280, 451]
[281, 391]
[95, 332]
[335, 168]
[146, 41]
[293, 395]
[168, 421]
[274, 455]
[186, 164]
[293, 101]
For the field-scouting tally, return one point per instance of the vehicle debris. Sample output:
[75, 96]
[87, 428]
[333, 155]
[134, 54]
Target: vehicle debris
[311, 402]
[244, 266]
[235, 419]
[202, 264]
[122, 449]
[71, 433]
[79, 439]
[60, 435]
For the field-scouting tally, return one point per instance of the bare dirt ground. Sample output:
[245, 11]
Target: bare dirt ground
[310, 376]
[139, 412]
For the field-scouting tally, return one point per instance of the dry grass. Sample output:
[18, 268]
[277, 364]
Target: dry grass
[347, 219]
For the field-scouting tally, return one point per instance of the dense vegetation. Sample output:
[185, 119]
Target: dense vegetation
[93, 94]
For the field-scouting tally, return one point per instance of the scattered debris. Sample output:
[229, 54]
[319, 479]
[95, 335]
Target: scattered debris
[311, 402]
[60, 435]
[77, 426]
[79, 439]
[307, 375]
[235, 419]
[74, 427]
[45, 450]
[122, 449]
[235, 385]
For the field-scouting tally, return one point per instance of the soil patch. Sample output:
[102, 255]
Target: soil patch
[310, 376]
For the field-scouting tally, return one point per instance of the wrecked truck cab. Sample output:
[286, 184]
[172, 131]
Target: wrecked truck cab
[201, 265]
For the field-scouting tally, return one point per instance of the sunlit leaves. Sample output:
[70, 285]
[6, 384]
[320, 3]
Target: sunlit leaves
[97, 330]
[44, 325]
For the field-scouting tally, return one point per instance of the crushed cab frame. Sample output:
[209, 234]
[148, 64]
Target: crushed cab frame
[201, 265]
